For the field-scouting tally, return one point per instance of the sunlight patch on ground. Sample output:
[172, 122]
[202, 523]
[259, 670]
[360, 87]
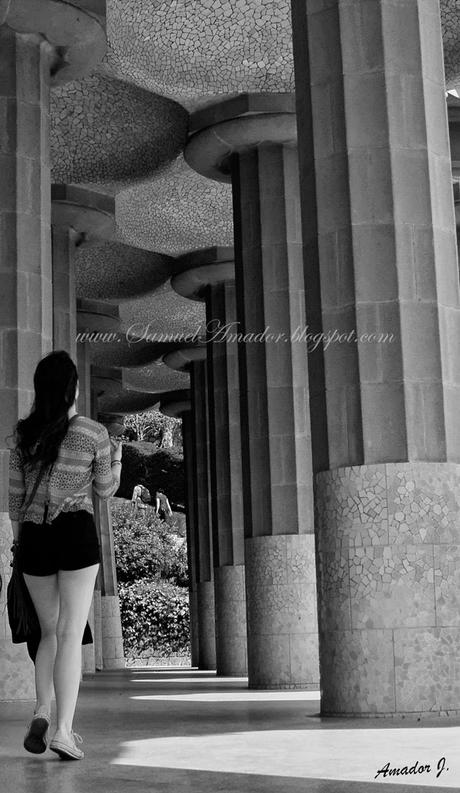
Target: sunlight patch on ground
[235, 696]
[345, 755]
[194, 680]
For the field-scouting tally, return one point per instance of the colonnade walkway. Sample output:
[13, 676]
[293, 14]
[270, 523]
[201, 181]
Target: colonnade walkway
[186, 730]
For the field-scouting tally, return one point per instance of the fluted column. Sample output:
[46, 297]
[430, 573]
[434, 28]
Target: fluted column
[252, 140]
[78, 218]
[26, 315]
[178, 405]
[379, 229]
[108, 644]
[203, 518]
[27, 61]
[64, 296]
[209, 275]
[187, 435]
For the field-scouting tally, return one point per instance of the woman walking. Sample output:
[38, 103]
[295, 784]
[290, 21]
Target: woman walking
[59, 459]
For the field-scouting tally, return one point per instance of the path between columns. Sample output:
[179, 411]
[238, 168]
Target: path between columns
[184, 730]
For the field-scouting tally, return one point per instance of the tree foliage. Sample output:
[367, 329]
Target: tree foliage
[153, 426]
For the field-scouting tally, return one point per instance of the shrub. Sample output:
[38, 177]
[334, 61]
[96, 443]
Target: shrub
[154, 617]
[146, 546]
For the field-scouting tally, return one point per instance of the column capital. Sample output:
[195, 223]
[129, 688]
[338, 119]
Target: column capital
[97, 315]
[176, 404]
[209, 267]
[90, 214]
[182, 358]
[453, 111]
[76, 34]
[238, 124]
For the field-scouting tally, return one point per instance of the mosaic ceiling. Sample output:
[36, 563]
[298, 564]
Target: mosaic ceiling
[122, 131]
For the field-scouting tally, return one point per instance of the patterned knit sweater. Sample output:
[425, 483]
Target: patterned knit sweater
[83, 466]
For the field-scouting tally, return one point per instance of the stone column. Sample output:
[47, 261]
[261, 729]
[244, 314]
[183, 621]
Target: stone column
[202, 518]
[376, 182]
[26, 316]
[27, 61]
[79, 217]
[84, 379]
[252, 139]
[64, 296]
[226, 484]
[109, 654]
[178, 405]
[209, 275]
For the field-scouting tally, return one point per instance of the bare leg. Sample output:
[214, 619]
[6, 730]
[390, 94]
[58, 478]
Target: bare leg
[75, 590]
[45, 596]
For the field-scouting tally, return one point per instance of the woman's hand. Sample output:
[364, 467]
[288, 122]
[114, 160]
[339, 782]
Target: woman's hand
[115, 448]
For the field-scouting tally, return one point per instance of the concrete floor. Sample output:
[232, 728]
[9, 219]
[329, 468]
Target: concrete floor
[183, 730]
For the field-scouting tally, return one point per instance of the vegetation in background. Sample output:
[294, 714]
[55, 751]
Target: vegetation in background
[155, 618]
[151, 563]
[146, 546]
[152, 426]
[154, 468]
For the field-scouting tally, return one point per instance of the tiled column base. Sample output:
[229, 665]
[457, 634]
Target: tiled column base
[282, 612]
[389, 589]
[16, 668]
[112, 639]
[194, 638]
[88, 651]
[97, 600]
[206, 625]
[231, 635]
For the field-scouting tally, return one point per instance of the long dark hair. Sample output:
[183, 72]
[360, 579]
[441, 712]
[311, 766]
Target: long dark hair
[40, 435]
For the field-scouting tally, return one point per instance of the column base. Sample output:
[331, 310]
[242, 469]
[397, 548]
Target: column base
[231, 634]
[88, 650]
[194, 638]
[16, 668]
[281, 612]
[206, 625]
[113, 656]
[389, 589]
[97, 599]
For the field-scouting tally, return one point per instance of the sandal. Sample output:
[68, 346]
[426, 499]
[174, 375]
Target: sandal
[68, 750]
[36, 738]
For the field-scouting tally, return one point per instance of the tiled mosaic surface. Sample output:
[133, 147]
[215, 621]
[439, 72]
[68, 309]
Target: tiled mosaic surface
[107, 131]
[17, 671]
[427, 669]
[281, 611]
[450, 20]
[112, 639]
[230, 604]
[190, 48]
[388, 556]
[206, 625]
[111, 270]
[179, 211]
[194, 631]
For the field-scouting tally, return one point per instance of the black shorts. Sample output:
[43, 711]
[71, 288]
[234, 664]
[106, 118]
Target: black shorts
[69, 542]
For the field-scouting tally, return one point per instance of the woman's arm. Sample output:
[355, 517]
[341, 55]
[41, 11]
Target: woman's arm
[15, 528]
[106, 466]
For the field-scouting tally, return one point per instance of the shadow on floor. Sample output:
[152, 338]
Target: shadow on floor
[183, 730]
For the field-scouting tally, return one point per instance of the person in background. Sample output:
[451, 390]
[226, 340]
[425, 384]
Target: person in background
[136, 499]
[162, 505]
[60, 458]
